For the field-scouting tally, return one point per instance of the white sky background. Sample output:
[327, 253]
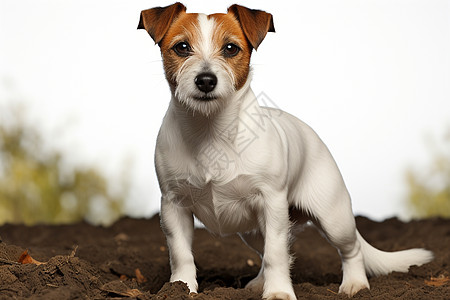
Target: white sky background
[371, 77]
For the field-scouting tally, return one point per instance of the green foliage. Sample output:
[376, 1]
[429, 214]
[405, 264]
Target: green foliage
[35, 189]
[429, 191]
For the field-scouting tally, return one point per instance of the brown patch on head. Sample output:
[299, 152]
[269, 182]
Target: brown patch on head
[229, 31]
[183, 29]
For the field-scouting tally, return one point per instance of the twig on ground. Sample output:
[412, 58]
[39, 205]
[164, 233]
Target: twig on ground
[333, 292]
[74, 251]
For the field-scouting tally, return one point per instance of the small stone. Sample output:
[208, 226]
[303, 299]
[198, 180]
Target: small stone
[250, 262]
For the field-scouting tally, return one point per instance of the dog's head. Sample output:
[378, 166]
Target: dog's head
[206, 57]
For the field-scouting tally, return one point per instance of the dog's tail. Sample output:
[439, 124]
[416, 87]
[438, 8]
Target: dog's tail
[379, 262]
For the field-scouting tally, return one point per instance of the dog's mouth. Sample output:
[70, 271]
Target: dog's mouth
[205, 98]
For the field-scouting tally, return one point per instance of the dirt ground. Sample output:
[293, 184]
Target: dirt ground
[129, 260]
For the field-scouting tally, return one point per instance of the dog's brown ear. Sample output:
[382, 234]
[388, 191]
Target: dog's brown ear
[158, 20]
[255, 23]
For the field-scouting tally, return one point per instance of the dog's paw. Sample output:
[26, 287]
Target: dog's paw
[352, 287]
[280, 296]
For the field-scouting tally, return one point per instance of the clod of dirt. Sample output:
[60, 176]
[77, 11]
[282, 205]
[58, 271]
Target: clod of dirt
[10, 254]
[173, 290]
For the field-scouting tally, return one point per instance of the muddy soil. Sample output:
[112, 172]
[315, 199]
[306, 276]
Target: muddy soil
[129, 260]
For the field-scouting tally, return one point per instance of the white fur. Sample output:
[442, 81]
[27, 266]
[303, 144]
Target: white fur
[239, 168]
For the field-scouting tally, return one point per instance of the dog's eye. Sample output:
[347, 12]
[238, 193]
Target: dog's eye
[182, 49]
[230, 50]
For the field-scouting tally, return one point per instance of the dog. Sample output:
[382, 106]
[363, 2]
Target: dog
[242, 168]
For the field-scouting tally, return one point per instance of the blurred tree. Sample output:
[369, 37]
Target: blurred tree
[34, 188]
[429, 191]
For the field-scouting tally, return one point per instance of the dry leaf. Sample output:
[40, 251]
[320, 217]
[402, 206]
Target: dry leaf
[437, 281]
[139, 277]
[117, 287]
[26, 258]
[132, 293]
[123, 277]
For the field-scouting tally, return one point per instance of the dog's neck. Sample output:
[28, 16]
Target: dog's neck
[197, 128]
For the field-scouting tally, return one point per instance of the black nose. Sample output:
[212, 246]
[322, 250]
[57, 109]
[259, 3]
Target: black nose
[206, 82]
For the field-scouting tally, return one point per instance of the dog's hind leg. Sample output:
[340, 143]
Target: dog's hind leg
[337, 223]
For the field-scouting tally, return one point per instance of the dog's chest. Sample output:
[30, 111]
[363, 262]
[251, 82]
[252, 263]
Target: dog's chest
[224, 209]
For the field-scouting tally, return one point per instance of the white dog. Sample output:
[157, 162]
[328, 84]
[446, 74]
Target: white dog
[242, 168]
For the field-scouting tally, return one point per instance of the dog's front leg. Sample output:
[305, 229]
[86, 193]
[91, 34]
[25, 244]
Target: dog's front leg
[276, 260]
[177, 223]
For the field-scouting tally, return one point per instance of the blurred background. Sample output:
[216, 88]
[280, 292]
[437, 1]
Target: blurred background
[82, 96]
